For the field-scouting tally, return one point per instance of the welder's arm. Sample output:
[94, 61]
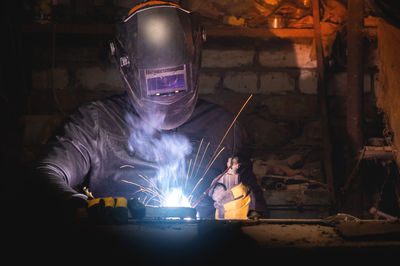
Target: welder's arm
[66, 160]
[62, 168]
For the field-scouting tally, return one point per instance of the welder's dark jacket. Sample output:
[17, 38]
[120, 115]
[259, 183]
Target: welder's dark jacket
[92, 148]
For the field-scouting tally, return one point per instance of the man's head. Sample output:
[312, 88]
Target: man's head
[158, 50]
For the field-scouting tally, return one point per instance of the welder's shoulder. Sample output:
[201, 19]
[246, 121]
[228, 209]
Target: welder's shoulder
[116, 101]
[107, 113]
[111, 105]
[212, 111]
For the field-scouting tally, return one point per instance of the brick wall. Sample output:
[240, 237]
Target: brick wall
[282, 118]
[282, 76]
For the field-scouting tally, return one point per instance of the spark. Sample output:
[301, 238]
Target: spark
[201, 161]
[222, 140]
[197, 154]
[154, 206]
[145, 189]
[151, 183]
[233, 122]
[187, 175]
[208, 168]
[126, 165]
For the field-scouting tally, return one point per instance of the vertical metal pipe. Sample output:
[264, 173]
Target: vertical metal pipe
[355, 75]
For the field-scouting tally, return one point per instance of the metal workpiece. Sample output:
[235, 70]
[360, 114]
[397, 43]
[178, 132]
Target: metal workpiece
[169, 213]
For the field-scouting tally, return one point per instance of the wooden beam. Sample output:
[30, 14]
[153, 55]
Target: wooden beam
[88, 29]
[262, 33]
[323, 104]
[355, 75]
[212, 30]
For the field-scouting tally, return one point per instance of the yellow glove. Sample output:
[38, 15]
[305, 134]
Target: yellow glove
[231, 198]
[238, 207]
[108, 210]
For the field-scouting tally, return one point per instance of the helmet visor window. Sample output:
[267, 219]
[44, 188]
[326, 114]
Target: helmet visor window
[166, 81]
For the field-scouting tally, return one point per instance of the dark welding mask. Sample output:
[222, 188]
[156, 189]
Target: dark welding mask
[158, 50]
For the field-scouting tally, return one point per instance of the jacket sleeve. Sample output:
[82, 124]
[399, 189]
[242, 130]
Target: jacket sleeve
[67, 157]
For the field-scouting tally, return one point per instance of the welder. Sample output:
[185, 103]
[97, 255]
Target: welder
[157, 48]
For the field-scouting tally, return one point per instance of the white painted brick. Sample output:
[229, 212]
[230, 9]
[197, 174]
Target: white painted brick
[308, 82]
[297, 55]
[276, 82]
[245, 82]
[208, 83]
[227, 58]
[94, 78]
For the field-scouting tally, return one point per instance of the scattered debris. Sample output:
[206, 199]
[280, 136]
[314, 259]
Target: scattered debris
[271, 182]
[293, 188]
[377, 213]
[340, 217]
[290, 173]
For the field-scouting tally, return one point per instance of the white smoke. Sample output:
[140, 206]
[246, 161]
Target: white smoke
[168, 150]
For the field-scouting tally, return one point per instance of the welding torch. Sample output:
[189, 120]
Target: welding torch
[210, 187]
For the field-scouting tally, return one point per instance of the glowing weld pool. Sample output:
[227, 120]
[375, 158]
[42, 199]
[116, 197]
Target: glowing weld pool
[176, 198]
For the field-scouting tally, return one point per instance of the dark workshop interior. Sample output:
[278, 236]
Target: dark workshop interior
[322, 126]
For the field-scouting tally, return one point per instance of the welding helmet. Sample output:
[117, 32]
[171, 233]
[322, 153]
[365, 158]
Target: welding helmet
[158, 50]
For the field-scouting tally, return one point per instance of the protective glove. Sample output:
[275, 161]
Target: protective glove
[136, 208]
[108, 210]
[231, 198]
[72, 208]
[221, 196]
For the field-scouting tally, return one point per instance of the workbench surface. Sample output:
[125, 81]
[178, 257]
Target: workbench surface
[170, 240]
